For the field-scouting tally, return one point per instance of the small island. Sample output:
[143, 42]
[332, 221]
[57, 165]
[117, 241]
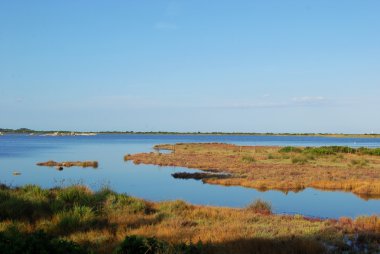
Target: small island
[83, 164]
[356, 170]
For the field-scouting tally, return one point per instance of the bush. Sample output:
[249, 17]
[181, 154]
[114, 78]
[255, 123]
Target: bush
[74, 195]
[260, 206]
[150, 245]
[17, 208]
[38, 242]
[323, 150]
[141, 245]
[177, 206]
[35, 193]
[290, 149]
[78, 218]
[369, 151]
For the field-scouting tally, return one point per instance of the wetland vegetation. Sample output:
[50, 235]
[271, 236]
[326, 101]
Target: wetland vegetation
[77, 220]
[84, 164]
[356, 170]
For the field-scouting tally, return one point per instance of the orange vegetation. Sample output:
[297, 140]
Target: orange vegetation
[101, 220]
[269, 168]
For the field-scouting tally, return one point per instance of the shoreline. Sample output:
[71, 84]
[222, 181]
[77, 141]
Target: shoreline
[91, 133]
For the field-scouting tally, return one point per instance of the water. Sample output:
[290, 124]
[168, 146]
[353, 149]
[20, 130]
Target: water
[21, 152]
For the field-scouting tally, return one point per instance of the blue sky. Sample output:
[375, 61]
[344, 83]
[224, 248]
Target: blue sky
[251, 66]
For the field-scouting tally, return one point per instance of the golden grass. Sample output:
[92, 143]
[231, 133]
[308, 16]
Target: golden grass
[101, 220]
[268, 168]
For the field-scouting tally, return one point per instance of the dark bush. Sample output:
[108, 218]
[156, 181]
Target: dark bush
[149, 245]
[141, 245]
[38, 242]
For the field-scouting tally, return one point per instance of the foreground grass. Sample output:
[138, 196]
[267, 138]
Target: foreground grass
[282, 168]
[100, 221]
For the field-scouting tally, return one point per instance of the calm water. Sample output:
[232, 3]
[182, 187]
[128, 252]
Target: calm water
[20, 153]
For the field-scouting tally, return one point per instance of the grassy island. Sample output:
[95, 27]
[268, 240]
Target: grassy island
[355, 170]
[77, 220]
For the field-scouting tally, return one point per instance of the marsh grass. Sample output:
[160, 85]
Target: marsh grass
[359, 162]
[260, 206]
[101, 221]
[284, 168]
[77, 218]
[248, 159]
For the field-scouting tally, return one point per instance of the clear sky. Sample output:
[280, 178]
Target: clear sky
[195, 65]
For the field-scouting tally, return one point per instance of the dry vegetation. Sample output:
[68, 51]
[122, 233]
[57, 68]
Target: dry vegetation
[68, 164]
[100, 221]
[282, 168]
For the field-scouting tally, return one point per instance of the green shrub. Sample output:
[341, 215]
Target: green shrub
[74, 195]
[150, 245]
[176, 206]
[136, 205]
[77, 218]
[369, 151]
[35, 193]
[319, 150]
[117, 202]
[290, 149]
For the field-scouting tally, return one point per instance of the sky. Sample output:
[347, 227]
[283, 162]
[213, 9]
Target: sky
[195, 65]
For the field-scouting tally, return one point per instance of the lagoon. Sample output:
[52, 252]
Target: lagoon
[21, 153]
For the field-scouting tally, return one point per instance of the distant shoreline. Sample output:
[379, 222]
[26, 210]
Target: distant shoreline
[64, 133]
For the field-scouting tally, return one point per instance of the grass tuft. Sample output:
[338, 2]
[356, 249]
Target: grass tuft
[260, 206]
